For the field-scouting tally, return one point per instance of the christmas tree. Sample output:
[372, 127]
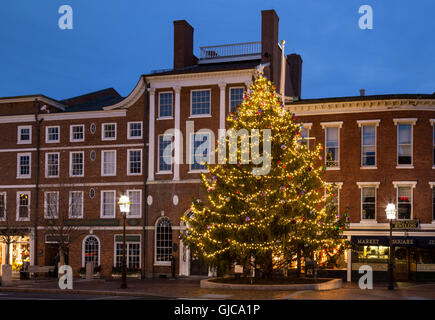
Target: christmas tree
[268, 214]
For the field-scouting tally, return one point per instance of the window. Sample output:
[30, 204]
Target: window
[52, 134]
[200, 148]
[404, 144]
[163, 241]
[200, 102]
[52, 165]
[135, 199]
[23, 205]
[24, 134]
[108, 163]
[236, 97]
[76, 164]
[368, 203]
[51, 205]
[165, 153]
[404, 202]
[368, 148]
[165, 105]
[433, 146]
[132, 251]
[2, 206]
[433, 203]
[109, 131]
[77, 133]
[23, 165]
[91, 251]
[333, 203]
[135, 130]
[305, 133]
[134, 162]
[108, 204]
[76, 204]
[332, 144]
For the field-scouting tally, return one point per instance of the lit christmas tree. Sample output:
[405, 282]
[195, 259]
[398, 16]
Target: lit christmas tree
[267, 214]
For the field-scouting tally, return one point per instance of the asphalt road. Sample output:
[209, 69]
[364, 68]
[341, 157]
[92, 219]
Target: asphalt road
[57, 296]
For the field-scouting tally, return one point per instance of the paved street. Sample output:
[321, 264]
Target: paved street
[56, 296]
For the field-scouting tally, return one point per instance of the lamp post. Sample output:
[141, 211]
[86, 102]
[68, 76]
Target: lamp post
[391, 215]
[124, 207]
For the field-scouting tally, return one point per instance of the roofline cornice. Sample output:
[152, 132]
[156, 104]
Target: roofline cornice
[41, 98]
[198, 75]
[131, 98]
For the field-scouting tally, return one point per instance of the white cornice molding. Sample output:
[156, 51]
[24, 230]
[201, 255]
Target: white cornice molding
[131, 98]
[404, 183]
[307, 125]
[32, 99]
[368, 122]
[331, 124]
[412, 121]
[368, 184]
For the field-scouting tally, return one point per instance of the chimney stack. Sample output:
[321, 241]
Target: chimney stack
[270, 52]
[362, 92]
[183, 45]
[294, 62]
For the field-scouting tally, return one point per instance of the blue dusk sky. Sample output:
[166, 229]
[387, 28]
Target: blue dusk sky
[113, 42]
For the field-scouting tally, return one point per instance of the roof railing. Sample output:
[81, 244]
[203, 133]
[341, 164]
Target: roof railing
[231, 50]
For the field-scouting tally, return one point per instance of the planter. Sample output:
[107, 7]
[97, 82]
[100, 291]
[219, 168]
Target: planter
[96, 275]
[132, 275]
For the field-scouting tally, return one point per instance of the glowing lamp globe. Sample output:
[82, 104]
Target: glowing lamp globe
[124, 204]
[391, 211]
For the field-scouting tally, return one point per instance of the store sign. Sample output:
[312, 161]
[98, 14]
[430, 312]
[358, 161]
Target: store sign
[93, 222]
[406, 224]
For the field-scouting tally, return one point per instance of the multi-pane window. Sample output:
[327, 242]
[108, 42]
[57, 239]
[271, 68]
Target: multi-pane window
[77, 164]
[135, 199]
[163, 240]
[433, 146]
[77, 133]
[165, 105]
[132, 254]
[52, 134]
[2, 205]
[332, 147]
[135, 130]
[51, 204]
[305, 134]
[236, 97]
[23, 165]
[333, 197]
[404, 202]
[368, 203]
[200, 149]
[165, 153]
[52, 165]
[134, 162]
[91, 251]
[76, 204]
[109, 131]
[108, 165]
[200, 102]
[107, 204]
[404, 144]
[368, 152]
[24, 134]
[23, 205]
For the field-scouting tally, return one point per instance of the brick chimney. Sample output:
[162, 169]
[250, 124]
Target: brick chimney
[270, 52]
[183, 45]
[294, 63]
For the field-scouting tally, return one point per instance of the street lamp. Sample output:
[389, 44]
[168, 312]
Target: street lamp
[391, 215]
[124, 207]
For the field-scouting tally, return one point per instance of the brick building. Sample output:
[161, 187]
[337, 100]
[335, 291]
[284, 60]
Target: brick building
[83, 153]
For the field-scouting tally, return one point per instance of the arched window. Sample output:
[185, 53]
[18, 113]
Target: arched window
[163, 240]
[91, 251]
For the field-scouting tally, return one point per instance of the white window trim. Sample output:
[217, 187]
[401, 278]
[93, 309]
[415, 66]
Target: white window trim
[411, 184]
[102, 164]
[24, 176]
[140, 203]
[103, 138]
[158, 109]
[334, 124]
[5, 204]
[339, 186]
[70, 164]
[160, 263]
[128, 162]
[83, 249]
[308, 126]
[102, 216]
[432, 185]
[46, 205]
[46, 134]
[126, 253]
[19, 141]
[158, 154]
[46, 165]
[191, 105]
[375, 185]
[71, 139]
[18, 205]
[229, 95]
[129, 137]
[192, 150]
[70, 216]
[362, 124]
[412, 122]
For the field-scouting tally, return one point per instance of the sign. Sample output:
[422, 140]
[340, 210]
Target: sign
[93, 222]
[405, 224]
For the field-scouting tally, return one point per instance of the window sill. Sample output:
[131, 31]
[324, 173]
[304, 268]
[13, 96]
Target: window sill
[134, 174]
[107, 217]
[26, 142]
[164, 172]
[77, 176]
[51, 177]
[23, 219]
[165, 118]
[368, 168]
[76, 141]
[134, 138]
[197, 171]
[23, 177]
[81, 217]
[109, 175]
[368, 221]
[332, 168]
[199, 116]
[404, 167]
[109, 139]
[52, 141]
[162, 264]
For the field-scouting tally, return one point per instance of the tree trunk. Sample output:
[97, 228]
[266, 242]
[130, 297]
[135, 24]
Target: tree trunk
[268, 266]
[298, 267]
[8, 243]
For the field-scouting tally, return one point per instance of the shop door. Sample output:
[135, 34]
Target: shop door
[401, 271]
[198, 267]
[51, 251]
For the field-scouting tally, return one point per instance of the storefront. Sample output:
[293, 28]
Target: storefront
[19, 251]
[414, 257]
